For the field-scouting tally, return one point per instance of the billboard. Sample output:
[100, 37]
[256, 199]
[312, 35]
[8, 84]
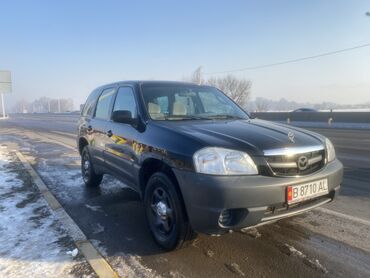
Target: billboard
[5, 82]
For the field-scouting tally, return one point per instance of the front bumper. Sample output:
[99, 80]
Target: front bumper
[252, 200]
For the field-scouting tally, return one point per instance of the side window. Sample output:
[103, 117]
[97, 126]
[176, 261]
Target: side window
[125, 100]
[102, 108]
[90, 102]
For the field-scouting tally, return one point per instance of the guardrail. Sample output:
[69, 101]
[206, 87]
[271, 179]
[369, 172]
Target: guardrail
[319, 119]
[339, 117]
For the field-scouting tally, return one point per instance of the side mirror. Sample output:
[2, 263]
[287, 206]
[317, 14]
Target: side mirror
[123, 116]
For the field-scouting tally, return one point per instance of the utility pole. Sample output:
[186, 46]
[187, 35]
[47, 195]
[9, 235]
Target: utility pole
[5, 87]
[3, 106]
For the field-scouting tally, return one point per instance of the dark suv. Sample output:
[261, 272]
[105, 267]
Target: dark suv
[199, 162]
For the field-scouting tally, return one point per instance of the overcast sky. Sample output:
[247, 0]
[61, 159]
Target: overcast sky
[66, 48]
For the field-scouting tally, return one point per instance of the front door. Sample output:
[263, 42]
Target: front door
[120, 152]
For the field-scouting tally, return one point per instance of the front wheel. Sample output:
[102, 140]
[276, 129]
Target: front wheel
[165, 212]
[89, 175]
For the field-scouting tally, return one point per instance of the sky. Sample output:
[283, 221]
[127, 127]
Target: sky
[67, 48]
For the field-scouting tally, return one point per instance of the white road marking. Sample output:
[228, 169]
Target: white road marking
[345, 216]
[350, 147]
[64, 133]
[56, 141]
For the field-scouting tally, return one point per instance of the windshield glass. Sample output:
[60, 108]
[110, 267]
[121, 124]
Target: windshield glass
[188, 102]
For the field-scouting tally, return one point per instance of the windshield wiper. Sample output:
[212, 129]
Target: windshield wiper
[184, 118]
[194, 117]
[225, 117]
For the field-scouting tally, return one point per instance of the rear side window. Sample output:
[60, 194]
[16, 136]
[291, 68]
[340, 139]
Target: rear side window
[90, 103]
[104, 102]
[125, 100]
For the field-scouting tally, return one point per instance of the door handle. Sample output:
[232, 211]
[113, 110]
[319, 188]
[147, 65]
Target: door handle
[109, 133]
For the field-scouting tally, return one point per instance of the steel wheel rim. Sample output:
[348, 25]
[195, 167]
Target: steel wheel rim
[161, 212]
[85, 167]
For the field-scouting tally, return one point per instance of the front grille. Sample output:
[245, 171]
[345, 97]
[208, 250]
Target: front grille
[289, 165]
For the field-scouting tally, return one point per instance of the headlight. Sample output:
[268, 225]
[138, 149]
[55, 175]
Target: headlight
[219, 161]
[330, 151]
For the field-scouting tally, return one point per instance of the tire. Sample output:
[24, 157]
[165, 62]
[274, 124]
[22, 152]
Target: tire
[165, 213]
[89, 175]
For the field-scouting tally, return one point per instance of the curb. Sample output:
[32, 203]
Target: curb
[93, 257]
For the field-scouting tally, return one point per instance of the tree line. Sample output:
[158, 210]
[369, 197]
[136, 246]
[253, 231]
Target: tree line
[44, 105]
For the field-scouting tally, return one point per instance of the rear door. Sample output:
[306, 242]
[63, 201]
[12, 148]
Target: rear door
[98, 124]
[84, 123]
[120, 150]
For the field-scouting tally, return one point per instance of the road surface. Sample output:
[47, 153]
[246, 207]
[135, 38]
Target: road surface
[333, 241]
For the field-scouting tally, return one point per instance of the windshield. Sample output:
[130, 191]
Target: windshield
[188, 102]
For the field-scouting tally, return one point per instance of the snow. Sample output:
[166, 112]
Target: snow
[73, 253]
[32, 244]
[310, 262]
[126, 265]
[97, 228]
[94, 208]
[60, 170]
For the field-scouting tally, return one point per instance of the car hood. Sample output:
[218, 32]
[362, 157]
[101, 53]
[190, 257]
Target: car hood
[254, 136]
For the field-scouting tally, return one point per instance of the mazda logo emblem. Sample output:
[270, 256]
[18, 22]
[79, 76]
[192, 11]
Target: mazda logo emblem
[302, 163]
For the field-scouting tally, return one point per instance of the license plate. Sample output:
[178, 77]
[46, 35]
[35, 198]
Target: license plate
[302, 192]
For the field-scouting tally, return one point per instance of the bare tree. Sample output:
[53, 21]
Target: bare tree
[44, 105]
[262, 104]
[236, 88]
[197, 77]
[66, 105]
[21, 106]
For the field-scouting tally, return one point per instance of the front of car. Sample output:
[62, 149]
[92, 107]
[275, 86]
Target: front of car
[245, 172]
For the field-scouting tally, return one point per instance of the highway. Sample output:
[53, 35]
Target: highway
[333, 241]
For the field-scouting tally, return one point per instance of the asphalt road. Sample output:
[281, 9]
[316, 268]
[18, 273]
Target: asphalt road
[333, 241]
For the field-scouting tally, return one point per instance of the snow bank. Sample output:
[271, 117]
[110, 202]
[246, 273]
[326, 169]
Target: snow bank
[31, 242]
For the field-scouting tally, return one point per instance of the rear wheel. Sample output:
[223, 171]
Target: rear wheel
[165, 213]
[89, 175]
